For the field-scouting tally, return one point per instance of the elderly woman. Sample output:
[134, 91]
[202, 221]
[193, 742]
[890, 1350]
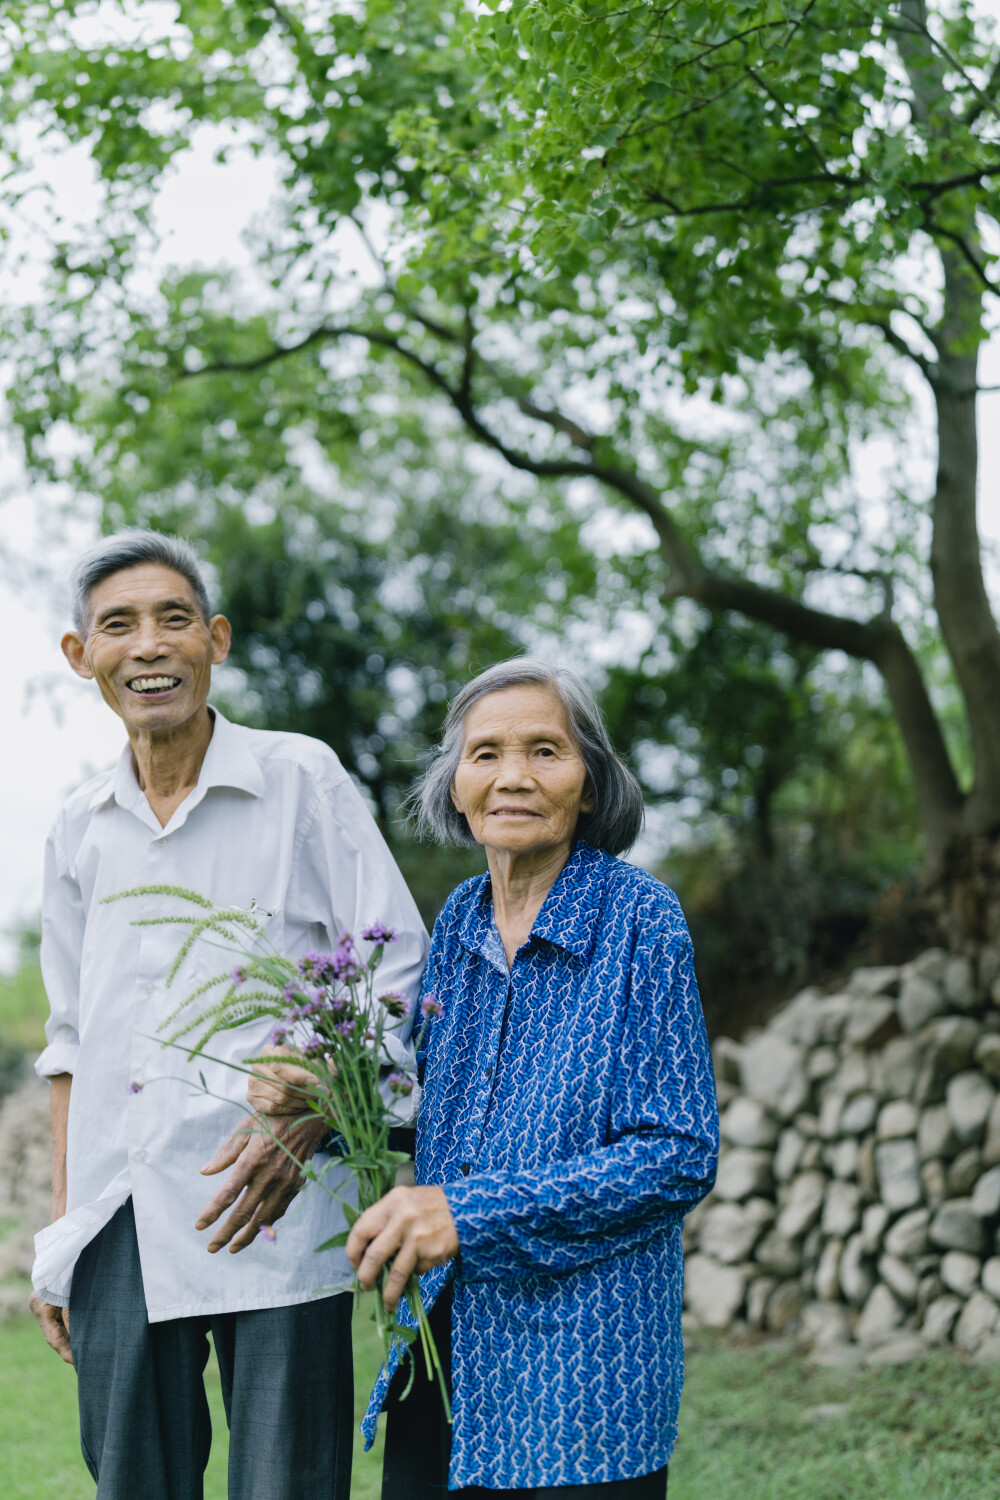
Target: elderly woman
[567, 1120]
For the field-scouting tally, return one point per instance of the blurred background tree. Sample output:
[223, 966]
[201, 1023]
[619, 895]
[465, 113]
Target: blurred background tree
[581, 326]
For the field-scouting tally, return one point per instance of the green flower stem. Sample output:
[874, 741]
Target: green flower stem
[427, 1340]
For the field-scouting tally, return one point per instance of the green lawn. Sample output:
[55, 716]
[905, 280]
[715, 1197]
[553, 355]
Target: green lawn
[761, 1424]
[39, 1440]
[756, 1424]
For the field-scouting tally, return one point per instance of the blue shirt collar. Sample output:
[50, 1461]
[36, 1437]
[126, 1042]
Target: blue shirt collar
[569, 913]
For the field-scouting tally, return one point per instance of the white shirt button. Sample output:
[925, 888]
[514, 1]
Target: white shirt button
[159, 843]
[147, 990]
[139, 1156]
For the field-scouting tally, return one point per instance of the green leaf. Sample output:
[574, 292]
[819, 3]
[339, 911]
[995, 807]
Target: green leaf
[336, 1242]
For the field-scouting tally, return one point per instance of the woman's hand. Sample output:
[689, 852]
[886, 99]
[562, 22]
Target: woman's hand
[276, 1088]
[415, 1225]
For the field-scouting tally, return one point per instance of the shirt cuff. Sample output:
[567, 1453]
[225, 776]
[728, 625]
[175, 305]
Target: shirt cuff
[54, 1299]
[58, 1057]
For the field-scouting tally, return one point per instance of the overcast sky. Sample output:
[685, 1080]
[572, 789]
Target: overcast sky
[57, 731]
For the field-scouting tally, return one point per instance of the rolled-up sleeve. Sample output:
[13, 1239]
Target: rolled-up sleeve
[62, 945]
[660, 1158]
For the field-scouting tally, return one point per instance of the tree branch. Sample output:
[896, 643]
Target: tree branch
[468, 356]
[928, 367]
[980, 103]
[369, 246]
[789, 115]
[576, 434]
[319, 335]
[738, 36]
[879, 317]
[965, 179]
[967, 253]
[879, 640]
[911, 25]
[764, 191]
[927, 190]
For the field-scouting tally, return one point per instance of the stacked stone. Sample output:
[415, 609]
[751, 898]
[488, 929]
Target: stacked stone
[858, 1198]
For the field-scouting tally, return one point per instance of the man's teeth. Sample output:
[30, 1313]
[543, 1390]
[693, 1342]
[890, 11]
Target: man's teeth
[153, 684]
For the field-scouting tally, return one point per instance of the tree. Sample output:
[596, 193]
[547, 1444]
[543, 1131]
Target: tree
[683, 254]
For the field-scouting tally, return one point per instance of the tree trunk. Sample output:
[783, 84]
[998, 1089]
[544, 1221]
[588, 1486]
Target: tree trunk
[963, 607]
[967, 896]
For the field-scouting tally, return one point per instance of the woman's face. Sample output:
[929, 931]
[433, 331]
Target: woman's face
[521, 781]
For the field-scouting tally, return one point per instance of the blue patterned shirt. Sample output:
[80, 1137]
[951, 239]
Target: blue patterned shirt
[569, 1112]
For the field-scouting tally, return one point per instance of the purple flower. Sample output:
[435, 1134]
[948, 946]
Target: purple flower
[430, 1005]
[394, 1004]
[400, 1084]
[276, 1036]
[317, 967]
[239, 975]
[346, 966]
[345, 1028]
[314, 1046]
[379, 933]
[269, 1232]
[135, 1088]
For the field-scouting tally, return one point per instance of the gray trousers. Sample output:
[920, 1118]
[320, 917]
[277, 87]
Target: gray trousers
[287, 1383]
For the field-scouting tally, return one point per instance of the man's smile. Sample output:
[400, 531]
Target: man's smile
[153, 687]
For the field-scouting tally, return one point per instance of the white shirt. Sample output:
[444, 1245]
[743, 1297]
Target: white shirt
[274, 820]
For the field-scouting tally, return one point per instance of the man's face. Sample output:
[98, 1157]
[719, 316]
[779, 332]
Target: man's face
[148, 647]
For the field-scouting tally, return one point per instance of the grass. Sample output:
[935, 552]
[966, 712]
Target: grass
[39, 1436]
[757, 1423]
[761, 1424]
[23, 1008]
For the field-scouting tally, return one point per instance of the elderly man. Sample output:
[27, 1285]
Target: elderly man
[124, 1288]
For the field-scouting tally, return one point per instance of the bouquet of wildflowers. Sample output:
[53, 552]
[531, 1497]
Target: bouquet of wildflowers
[328, 1021]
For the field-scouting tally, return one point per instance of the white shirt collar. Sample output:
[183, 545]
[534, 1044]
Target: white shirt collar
[228, 762]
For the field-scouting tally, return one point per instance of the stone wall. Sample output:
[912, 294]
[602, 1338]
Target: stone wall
[857, 1204]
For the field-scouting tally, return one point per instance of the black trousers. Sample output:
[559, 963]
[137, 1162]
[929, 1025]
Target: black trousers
[418, 1442]
[287, 1383]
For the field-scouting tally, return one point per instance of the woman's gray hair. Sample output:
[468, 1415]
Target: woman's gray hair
[616, 819]
[130, 549]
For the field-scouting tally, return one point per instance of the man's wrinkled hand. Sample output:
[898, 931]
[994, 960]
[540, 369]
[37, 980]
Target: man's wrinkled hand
[279, 1087]
[264, 1180]
[412, 1227]
[54, 1323]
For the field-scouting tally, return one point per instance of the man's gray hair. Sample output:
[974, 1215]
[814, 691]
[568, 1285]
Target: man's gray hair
[131, 549]
[616, 819]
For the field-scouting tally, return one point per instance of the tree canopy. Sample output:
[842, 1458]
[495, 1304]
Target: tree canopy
[682, 260]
